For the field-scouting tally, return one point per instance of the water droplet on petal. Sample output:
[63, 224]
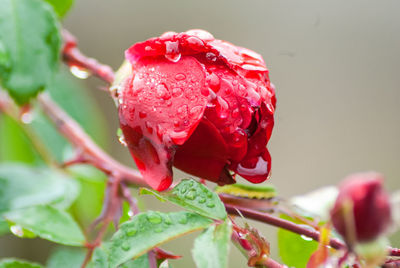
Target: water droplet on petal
[79, 72]
[180, 77]
[172, 51]
[202, 200]
[162, 92]
[158, 230]
[209, 194]
[195, 110]
[211, 56]
[177, 92]
[142, 114]
[214, 82]
[182, 111]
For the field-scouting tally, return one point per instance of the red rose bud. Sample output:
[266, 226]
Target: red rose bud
[197, 103]
[362, 210]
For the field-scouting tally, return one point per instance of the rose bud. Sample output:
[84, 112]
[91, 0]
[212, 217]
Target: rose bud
[362, 209]
[197, 103]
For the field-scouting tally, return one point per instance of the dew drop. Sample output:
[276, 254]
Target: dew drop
[172, 51]
[210, 205]
[214, 82]
[211, 56]
[17, 230]
[209, 194]
[167, 220]
[177, 92]
[27, 117]
[191, 183]
[180, 77]
[154, 218]
[222, 108]
[79, 72]
[182, 111]
[306, 238]
[195, 43]
[122, 140]
[149, 127]
[202, 200]
[183, 220]
[142, 114]
[158, 230]
[173, 57]
[126, 246]
[162, 92]
[191, 195]
[184, 189]
[131, 231]
[195, 110]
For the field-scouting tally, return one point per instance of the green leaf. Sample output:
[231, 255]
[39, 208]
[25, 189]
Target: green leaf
[23, 186]
[66, 258]
[29, 33]
[48, 223]
[88, 205]
[15, 263]
[211, 248]
[14, 144]
[100, 259]
[193, 196]
[61, 7]
[73, 97]
[248, 191]
[294, 249]
[150, 229]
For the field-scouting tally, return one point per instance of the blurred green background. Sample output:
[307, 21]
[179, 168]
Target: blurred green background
[335, 65]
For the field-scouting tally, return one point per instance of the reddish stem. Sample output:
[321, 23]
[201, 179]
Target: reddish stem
[93, 153]
[73, 57]
[281, 223]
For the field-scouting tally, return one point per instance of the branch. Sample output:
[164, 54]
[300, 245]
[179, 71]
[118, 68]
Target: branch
[91, 152]
[73, 57]
[281, 223]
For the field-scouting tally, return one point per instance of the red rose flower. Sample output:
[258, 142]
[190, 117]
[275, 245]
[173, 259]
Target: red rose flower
[197, 103]
[362, 208]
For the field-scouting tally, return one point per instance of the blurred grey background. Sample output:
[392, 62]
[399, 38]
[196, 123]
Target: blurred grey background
[335, 65]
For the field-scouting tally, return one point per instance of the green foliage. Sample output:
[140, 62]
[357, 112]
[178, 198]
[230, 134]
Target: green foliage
[30, 41]
[211, 248]
[24, 186]
[48, 223]
[150, 229]
[295, 251]
[248, 191]
[14, 144]
[193, 196]
[15, 263]
[61, 7]
[66, 258]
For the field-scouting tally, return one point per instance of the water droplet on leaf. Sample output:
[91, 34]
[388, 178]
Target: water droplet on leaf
[154, 217]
